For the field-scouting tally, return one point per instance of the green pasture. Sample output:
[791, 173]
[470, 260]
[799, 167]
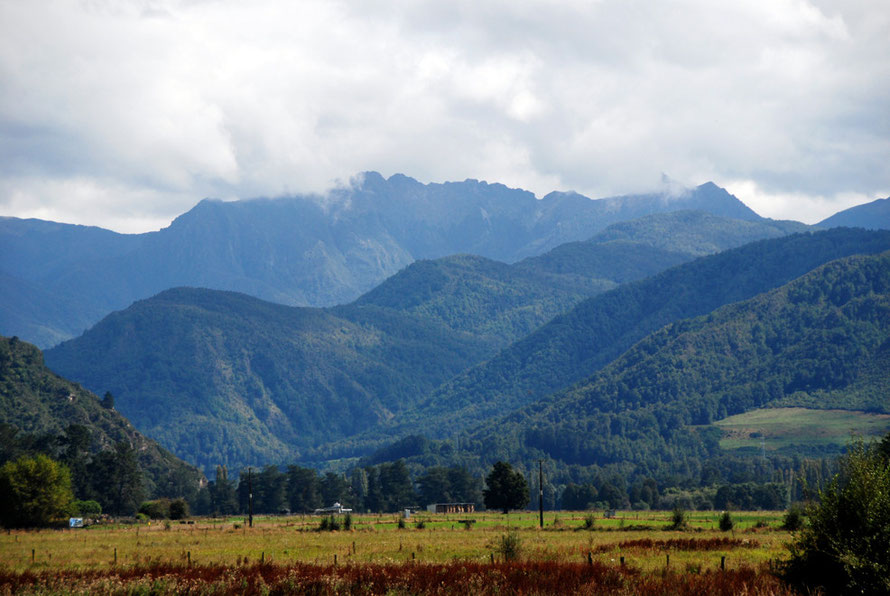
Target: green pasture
[377, 539]
[775, 428]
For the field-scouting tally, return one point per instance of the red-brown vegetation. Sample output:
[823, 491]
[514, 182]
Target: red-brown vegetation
[679, 544]
[453, 578]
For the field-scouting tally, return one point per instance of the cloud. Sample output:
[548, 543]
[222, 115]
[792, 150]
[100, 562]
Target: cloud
[146, 107]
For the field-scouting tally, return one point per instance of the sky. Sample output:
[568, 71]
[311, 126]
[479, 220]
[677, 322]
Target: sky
[124, 114]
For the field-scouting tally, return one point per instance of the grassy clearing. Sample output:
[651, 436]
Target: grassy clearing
[377, 540]
[783, 427]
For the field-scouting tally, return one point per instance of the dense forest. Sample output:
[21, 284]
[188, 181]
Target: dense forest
[578, 343]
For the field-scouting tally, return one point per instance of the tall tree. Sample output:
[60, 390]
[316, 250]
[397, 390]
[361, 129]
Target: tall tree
[34, 491]
[303, 489]
[117, 479]
[845, 549]
[223, 498]
[506, 488]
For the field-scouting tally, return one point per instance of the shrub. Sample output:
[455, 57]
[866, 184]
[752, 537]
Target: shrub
[845, 546]
[509, 546]
[157, 509]
[793, 519]
[420, 524]
[401, 523]
[589, 521]
[179, 509]
[678, 519]
[726, 524]
[329, 524]
[88, 508]
[347, 521]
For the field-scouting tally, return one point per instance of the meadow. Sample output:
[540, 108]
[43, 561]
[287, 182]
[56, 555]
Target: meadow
[775, 428]
[634, 551]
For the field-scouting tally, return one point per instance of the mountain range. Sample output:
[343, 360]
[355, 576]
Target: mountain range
[463, 321]
[220, 377]
[301, 251]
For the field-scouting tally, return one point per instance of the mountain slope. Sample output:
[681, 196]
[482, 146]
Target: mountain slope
[35, 400]
[305, 250]
[871, 216]
[505, 302]
[578, 343]
[822, 339]
[223, 378]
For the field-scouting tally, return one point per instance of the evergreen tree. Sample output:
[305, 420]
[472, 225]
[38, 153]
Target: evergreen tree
[303, 489]
[117, 479]
[506, 489]
[223, 498]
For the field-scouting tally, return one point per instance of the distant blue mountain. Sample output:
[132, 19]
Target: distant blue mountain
[302, 250]
[871, 216]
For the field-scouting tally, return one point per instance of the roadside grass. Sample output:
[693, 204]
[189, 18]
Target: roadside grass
[775, 428]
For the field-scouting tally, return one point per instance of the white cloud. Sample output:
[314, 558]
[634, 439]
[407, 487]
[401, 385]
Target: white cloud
[803, 207]
[148, 106]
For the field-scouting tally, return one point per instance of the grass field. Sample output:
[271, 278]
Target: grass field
[634, 543]
[775, 428]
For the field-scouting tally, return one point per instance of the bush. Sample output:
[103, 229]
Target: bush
[589, 521]
[726, 524]
[179, 509]
[678, 519]
[88, 508]
[329, 524]
[347, 521]
[509, 546]
[793, 519]
[420, 524]
[845, 546]
[157, 509]
[401, 523]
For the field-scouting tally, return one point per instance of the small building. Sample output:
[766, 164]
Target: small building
[335, 508]
[451, 508]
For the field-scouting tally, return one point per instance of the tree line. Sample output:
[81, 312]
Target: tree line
[386, 487]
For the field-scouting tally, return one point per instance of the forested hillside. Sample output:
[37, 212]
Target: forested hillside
[598, 330]
[822, 340]
[223, 378]
[504, 302]
[42, 412]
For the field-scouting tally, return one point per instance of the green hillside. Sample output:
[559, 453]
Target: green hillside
[223, 378]
[486, 298]
[503, 303]
[38, 410]
[578, 343]
[812, 341]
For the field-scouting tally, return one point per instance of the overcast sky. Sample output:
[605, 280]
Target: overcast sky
[125, 114]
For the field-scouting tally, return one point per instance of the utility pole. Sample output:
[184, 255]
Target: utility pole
[249, 498]
[541, 490]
